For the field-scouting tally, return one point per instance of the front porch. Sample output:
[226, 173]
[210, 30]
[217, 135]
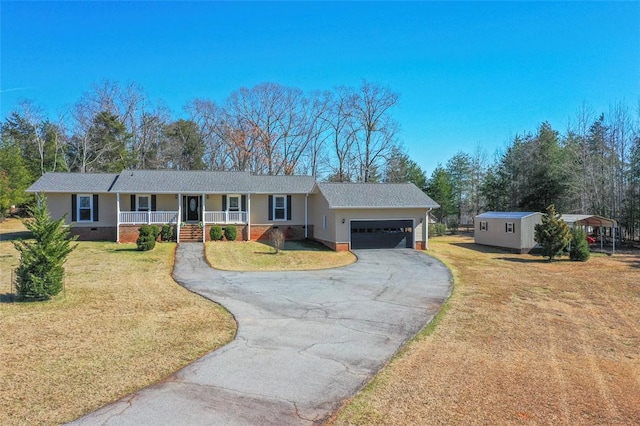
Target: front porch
[191, 220]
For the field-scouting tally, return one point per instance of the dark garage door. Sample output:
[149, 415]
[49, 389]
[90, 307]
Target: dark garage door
[370, 234]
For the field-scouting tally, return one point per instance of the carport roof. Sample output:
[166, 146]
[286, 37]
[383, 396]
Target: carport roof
[375, 195]
[588, 220]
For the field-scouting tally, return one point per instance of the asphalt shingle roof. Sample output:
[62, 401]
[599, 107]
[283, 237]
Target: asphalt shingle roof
[74, 182]
[505, 215]
[174, 181]
[282, 184]
[375, 195]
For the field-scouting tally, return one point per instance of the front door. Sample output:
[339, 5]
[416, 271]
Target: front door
[191, 208]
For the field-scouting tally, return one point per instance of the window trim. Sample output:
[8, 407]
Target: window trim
[484, 226]
[138, 196]
[79, 208]
[238, 197]
[283, 208]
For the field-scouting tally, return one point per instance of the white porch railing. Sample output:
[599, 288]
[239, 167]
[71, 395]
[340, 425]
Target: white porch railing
[148, 217]
[225, 217]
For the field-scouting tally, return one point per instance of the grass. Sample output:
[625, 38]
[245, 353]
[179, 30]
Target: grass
[257, 256]
[523, 341]
[121, 324]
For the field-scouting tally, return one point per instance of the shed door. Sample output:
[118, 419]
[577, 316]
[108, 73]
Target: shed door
[375, 234]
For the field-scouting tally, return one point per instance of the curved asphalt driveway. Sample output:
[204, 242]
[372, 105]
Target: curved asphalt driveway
[306, 340]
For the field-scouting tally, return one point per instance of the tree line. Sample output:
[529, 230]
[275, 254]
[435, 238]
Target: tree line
[593, 168]
[344, 134]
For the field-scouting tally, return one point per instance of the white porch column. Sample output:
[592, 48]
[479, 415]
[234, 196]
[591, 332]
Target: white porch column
[306, 216]
[204, 227]
[248, 217]
[179, 218]
[117, 217]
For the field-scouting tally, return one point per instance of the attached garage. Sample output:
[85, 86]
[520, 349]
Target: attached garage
[375, 234]
[356, 216]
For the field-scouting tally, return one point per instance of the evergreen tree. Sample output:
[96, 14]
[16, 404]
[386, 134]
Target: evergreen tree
[440, 190]
[15, 178]
[40, 273]
[400, 168]
[579, 246]
[553, 234]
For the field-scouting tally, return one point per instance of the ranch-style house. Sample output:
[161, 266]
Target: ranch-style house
[343, 216]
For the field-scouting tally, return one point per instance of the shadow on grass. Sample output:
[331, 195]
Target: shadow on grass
[125, 249]
[12, 236]
[523, 260]
[633, 262]
[480, 248]
[298, 245]
[8, 298]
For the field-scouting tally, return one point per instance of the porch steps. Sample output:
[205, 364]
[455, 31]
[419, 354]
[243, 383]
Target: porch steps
[190, 233]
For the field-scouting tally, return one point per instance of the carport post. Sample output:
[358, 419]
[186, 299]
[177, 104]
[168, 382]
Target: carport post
[613, 234]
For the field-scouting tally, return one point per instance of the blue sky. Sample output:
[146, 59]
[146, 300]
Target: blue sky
[468, 73]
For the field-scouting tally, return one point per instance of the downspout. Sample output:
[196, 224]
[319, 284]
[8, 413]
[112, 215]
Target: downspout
[306, 216]
[248, 213]
[426, 230]
[117, 217]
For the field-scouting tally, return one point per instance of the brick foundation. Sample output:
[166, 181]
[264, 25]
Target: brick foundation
[291, 232]
[420, 245]
[129, 233]
[334, 246]
[101, 233]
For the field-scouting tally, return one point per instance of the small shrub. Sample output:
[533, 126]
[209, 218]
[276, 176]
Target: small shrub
[230, 233]
[276, 239]
[167, 232]
[437, 229]
[215, 233]
[155, 229]
[579, 246]
[147, 238]
[453, 226]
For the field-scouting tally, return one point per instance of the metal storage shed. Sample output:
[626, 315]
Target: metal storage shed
[509, 230]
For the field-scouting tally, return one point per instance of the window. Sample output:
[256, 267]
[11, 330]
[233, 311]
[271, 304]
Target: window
[143, 203]
[85, 208]
[234, 203]
[510, 227]
[279, 207]
[483, 226]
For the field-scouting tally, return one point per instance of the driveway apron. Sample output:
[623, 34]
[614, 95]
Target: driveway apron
[306, 341]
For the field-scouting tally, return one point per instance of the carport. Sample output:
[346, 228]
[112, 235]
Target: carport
[594, 221]
[374, 234]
